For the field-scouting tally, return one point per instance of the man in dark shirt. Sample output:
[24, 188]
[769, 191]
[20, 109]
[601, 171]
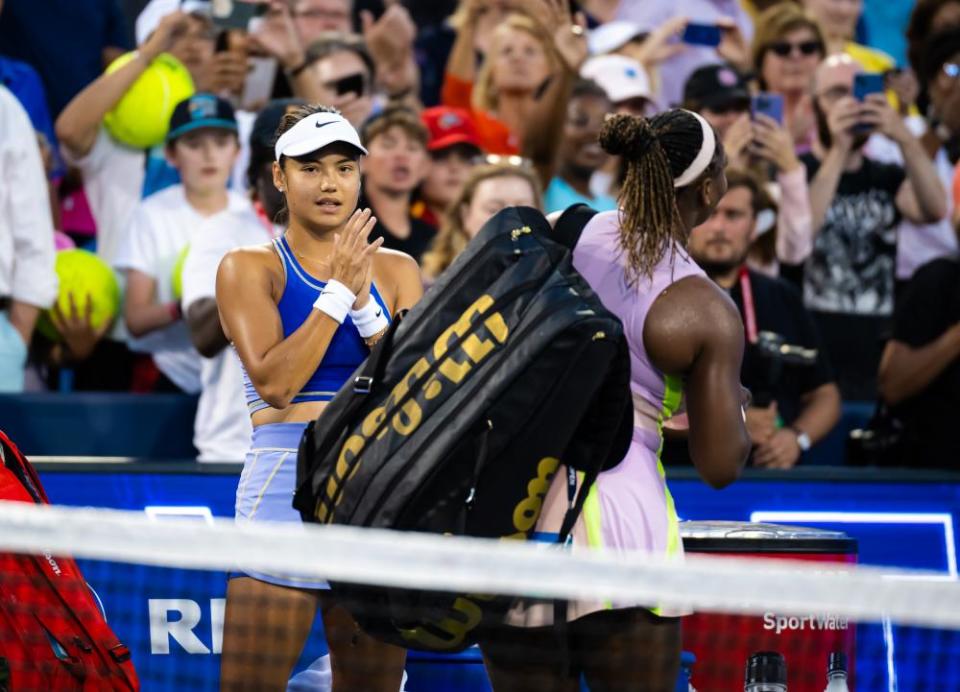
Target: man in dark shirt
[801, 402]
[857, 205]
[397, 163]
[920, 369]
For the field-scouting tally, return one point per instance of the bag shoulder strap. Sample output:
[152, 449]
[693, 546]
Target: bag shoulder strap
[571, 223]
[371, 374]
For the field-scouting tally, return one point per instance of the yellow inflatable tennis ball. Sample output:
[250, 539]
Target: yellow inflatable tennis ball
[142, 117]
[176, 281]
[84, 274]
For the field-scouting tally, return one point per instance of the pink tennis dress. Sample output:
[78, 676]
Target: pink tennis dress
[629, 507]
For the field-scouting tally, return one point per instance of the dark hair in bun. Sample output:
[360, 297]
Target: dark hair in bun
[655, 151]
[627, 135]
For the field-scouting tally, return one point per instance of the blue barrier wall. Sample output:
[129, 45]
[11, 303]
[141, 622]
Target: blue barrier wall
[160, 426]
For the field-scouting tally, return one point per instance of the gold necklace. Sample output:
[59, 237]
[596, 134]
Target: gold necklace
[301, 256]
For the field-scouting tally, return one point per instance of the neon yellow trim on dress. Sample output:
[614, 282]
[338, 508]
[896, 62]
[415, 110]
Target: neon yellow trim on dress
[593, 522]
[671, 403]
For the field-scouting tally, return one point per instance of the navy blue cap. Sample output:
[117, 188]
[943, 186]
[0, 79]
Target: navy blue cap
[264, 132]
[201, 110]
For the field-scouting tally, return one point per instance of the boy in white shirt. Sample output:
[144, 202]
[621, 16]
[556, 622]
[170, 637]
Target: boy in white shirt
[202, 145]
[222, 426]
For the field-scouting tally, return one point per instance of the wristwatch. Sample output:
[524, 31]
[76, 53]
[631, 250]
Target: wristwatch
[803, 440]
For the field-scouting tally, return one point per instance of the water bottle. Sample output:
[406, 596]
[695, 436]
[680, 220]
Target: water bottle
[687, 659]
[837, 672]
[766, 672]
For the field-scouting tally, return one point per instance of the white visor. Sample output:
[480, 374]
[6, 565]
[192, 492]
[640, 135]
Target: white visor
[315, 132]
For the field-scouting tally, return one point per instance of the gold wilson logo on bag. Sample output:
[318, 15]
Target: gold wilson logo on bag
[466, 613]
[462, 346]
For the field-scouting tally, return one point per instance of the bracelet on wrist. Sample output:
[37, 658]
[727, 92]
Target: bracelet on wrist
[173, 308]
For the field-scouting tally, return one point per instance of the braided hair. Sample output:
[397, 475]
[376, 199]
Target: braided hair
[655, 151]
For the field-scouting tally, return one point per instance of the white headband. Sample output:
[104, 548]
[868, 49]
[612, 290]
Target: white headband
[707, 149]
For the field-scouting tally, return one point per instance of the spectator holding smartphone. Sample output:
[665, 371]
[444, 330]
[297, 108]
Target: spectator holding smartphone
[856, 204]
[291, 27]
[339, 72]
[754, 138]
[735, 30]
[771, 152]
[786, 50]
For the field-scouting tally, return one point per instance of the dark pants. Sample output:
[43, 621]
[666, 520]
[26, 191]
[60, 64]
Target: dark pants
[624, 650]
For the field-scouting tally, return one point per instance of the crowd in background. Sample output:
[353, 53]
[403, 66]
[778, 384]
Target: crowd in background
[836, 239]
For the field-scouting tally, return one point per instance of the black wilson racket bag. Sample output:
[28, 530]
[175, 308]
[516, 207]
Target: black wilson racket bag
[507, 371]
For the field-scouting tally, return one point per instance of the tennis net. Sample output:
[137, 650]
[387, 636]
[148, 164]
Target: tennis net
[162, 585]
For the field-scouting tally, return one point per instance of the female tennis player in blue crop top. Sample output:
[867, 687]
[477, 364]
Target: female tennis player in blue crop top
[302, 313]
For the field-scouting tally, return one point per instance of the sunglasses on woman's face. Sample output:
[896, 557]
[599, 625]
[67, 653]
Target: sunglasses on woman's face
[785, 48]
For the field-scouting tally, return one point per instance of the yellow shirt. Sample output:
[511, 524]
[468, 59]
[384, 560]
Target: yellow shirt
[870, 59]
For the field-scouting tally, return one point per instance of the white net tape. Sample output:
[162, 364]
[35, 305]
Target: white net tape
[339, 553]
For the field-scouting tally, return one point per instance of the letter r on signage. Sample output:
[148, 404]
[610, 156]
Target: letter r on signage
[164, 624]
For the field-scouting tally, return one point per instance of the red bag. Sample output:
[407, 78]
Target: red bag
[52, 634]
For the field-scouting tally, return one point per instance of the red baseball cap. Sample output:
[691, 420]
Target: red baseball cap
[450, 126]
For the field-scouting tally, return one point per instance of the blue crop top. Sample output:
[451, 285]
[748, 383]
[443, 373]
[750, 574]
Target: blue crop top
[344, 353]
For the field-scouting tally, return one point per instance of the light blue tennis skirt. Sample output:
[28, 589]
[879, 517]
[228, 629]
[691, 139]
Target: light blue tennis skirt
[267, 484]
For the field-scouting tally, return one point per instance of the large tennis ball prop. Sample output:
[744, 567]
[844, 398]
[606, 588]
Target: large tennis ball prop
[176, 280]
[84, 274]
[142, 117]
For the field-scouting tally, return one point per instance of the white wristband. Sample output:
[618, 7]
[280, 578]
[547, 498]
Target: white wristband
[369, 320]
[335, 300]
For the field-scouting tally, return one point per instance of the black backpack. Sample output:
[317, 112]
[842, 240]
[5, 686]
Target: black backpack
[458, 421]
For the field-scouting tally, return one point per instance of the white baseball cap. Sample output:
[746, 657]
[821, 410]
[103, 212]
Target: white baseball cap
[315, 132]
[148, 20]
[609, 36]
[621, 77]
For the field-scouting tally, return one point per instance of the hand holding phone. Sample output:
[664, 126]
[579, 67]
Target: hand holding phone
[236, 14]
[768, 104]
[865, 84]
[702, 35]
